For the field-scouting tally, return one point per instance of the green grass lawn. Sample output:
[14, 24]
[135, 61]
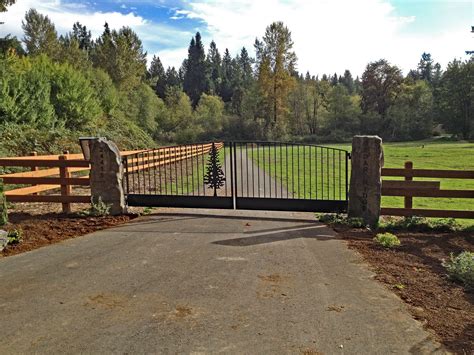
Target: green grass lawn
[305, 172]
[423, 154]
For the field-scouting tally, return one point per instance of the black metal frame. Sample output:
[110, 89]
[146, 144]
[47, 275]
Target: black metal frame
[242, 188]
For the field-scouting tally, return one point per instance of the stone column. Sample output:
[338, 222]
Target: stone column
[366, 182]
[107, 175]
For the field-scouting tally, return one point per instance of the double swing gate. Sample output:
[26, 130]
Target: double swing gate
[239, 175]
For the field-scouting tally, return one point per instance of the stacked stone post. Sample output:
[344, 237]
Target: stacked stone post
[365, 190]
[106, 175]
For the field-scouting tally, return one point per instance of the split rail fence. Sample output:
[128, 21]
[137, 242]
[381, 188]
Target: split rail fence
[409, 189]
[61, 172]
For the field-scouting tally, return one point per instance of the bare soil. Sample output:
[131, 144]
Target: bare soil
[43, 229]
[414, 272]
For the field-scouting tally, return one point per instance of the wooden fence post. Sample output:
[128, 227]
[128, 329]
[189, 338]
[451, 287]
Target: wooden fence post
[408, 177]
[34, 168]
[65, 188]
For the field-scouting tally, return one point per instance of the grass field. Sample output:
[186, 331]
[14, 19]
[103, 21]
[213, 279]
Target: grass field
[424, 155]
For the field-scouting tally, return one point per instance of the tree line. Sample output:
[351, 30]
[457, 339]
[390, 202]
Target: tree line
[56, 87]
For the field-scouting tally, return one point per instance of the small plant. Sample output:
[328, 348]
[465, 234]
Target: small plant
[3, 206]
[421, 224]
[15, 236]
[387, 240]
[399, 286]
[340, 219]
[461, 268]
[97, 209]
[147, 211]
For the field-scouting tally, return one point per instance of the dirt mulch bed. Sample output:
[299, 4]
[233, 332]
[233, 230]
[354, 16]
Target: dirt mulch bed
[414, 271]
[41, 230]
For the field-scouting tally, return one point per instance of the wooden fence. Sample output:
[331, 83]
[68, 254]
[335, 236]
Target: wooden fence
[52, 172]
[409, 189]
[166, 155]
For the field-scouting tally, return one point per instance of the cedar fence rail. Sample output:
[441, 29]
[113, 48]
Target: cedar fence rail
[52, 172]
[408, 189]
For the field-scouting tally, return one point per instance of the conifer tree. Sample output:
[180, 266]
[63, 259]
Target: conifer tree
[120, 53]
[40, 34]
[348, 82]
[157, 76]
[214, 177]
[227, 90]
[5, 3]
[82, 35]
[425, 68]
[215, 69]
[172, 78]
[196, 79]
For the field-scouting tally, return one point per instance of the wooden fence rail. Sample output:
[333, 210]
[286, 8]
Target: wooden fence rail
[409, 189]
[60, 172]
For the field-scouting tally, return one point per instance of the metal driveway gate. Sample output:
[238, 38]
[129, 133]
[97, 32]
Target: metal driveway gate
[241, 175]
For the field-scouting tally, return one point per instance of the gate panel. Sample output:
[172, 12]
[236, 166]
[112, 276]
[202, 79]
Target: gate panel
[290, 177]
[181, 176]
[242, 175]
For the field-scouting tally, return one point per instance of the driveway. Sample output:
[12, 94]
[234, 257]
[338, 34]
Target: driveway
[198, 281]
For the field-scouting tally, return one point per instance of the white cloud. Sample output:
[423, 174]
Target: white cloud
[65, 15]
[171, 57]
[329, 36]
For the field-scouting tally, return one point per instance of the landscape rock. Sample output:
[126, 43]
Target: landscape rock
[107, 175]
[366, 182]
[3, 239]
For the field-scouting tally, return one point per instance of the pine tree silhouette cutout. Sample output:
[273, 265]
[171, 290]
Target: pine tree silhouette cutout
[214, 178]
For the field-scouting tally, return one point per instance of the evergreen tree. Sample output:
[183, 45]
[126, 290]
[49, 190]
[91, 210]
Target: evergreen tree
[348, 81]
[120, 54]
[425, 68]
[82, 35]
[172, 79]
[72, 53]
[245, 63]
[196, 74]
[157, 76]
[40, 34]
[214, 177]
[11, 44]
[227, 89]
[357, 85]
[456, 98]
[5, 3]
[334, 80]
[214, 63]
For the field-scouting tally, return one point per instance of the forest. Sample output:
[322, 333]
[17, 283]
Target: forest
[55, 88]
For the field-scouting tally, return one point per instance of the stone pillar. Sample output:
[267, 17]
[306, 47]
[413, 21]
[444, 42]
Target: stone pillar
[107, 175]
[366, 183]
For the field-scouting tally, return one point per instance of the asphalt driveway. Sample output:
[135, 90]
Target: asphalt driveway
[198, 281]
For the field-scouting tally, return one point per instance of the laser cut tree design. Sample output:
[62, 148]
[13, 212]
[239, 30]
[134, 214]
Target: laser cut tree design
[214, 178]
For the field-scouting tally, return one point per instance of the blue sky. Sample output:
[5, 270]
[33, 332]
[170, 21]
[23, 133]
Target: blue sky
[329, 35]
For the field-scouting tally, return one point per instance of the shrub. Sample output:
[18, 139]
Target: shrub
[97, 209]
[461, 268]
[421, 224]
[331, 218]
[387, 240]
[3, 206]
[15, 236]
